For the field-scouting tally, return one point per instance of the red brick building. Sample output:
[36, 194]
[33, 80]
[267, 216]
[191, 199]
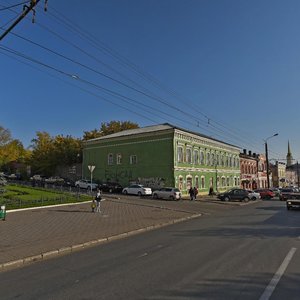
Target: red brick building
[249, 170]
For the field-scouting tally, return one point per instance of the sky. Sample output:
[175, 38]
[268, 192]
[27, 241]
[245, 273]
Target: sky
[227, 69]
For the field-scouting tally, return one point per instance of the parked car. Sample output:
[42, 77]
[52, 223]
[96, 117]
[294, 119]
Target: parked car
[85, 184]
[234, 194]
[54, 180]
[137, 189]
[253, 195]
[111, 187]
[276, 191]
[265, 193]
[288, 193]
[167, 193]
[12, 176]
[37, 177]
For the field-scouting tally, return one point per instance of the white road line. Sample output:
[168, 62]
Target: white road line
[272, 285]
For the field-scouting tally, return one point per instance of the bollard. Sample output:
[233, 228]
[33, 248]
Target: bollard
[2, 212]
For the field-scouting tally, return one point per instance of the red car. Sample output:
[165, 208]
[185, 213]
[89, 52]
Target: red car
[265, 193]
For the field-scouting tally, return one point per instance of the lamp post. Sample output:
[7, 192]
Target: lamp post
[267, 159]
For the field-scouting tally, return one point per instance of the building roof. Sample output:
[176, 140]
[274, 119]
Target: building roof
[154, 128]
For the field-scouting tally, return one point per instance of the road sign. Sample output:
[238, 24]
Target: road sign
[91, 168]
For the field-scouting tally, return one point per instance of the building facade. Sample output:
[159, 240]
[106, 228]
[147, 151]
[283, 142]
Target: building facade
[163, 155]
[279, 174]
[262, 171]
[249, 170]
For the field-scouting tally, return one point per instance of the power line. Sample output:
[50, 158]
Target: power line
[75, 28]
[153, 97]
[26, 10]
[12, 6]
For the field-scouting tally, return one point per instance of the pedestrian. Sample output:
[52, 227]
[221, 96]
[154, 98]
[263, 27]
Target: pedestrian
[211, 191]
[192, 193]
[98, 200]
[195, 193]
[93, 205]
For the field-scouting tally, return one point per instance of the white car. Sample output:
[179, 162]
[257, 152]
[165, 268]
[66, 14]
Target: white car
[37, 177]
[253, 195]
[54, 179]
[137, 189]
[85, 184]
[167, 193]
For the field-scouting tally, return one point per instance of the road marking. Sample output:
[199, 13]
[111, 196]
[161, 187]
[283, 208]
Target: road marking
[272, 285]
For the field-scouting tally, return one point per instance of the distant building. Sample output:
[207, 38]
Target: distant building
[289, 157]
[163, 155]
[249, 170]
[278, 174]
[292, 175]
[262, 171]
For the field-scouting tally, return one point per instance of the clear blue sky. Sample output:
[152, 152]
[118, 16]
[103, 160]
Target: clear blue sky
[228, 69]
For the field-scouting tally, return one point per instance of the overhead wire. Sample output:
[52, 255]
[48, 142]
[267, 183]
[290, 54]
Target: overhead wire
[66, 82]
[75, 28]
[78, 78]
[152, 80]
[102, 74]
[109, 77]
[159, 99]
[12, 6]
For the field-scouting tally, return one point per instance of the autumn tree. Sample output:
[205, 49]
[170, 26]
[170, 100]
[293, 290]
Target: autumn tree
[107, 128]
[11, 150]
[49, 152]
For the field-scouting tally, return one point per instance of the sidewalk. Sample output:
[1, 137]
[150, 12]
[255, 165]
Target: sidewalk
[29, 235]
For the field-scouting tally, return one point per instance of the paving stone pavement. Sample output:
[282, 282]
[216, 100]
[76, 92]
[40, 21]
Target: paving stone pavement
[29, 233]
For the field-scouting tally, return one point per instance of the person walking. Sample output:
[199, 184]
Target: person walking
[93, 205]
[192, 193]
[195, 193]
[98, 200]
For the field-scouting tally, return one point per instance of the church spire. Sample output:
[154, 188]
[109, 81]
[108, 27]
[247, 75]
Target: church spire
[289, 157]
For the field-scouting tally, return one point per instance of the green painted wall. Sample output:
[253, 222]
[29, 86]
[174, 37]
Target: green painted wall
[158, 162]
[154, 154]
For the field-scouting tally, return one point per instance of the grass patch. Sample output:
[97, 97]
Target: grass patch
[15, 197]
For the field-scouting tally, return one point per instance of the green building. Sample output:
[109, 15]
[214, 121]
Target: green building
[163, 155]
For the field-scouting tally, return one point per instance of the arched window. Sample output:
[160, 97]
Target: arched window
[202, 182]
[201, 158]
[189, 155]
[208, 158]
[196, 157]
[180, 154]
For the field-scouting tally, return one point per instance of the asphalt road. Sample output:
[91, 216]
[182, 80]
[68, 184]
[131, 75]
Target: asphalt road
[248, 252]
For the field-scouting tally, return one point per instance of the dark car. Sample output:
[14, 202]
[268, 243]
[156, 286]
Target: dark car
[288, 193]
[234, 194]
[111, 187]
[265, 193]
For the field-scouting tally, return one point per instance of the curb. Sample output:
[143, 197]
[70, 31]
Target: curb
[69, 249]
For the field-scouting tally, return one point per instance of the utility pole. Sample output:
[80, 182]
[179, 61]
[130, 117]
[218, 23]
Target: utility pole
[298, 174]
[267, 158]
[267, 163]
[26, 10]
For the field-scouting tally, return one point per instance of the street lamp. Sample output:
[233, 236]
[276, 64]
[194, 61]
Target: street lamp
[267, 159]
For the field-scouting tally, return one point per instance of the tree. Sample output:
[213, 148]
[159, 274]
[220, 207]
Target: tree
[41, 160]
[11, 150]
[109, 128]
[5, 136]
[50, 152]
